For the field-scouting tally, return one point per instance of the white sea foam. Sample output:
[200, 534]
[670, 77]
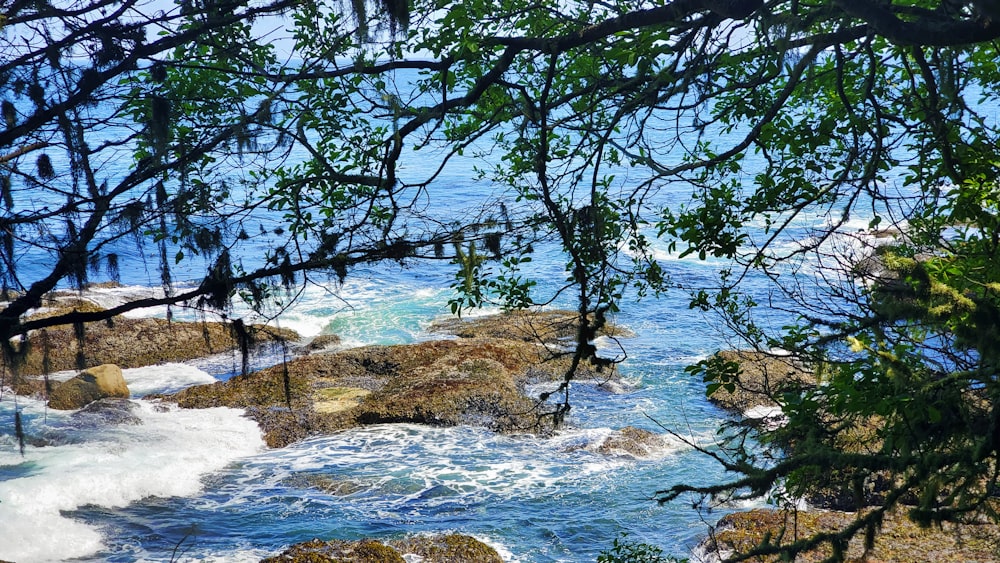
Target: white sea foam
[167, 455]
[164, 378]
[395, 466]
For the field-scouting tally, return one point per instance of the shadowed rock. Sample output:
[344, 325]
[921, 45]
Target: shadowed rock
[323, 342]
[899, 540]
[130, 343]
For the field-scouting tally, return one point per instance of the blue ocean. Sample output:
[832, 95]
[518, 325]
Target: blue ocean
[199, 485]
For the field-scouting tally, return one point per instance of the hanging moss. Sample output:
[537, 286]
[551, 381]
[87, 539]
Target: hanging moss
[44, 164]
[19, 431]
[9, 113]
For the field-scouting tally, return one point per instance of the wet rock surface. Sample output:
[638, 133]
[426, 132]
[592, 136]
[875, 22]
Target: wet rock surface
[633, 442]
[551, 327]
[130, 343]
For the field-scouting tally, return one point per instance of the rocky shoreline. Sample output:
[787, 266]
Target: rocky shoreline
[477, 373]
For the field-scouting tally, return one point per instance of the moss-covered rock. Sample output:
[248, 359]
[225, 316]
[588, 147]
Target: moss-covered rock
[451, 548]
[899, 540]
[318, 551]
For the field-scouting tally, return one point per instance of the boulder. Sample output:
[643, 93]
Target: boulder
[451, 548]
[323, 342]
[88, 386]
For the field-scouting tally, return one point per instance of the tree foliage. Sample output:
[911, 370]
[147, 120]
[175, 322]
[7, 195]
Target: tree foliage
[746, 131]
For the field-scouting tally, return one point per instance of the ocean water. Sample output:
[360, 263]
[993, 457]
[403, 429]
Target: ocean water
[201, 486]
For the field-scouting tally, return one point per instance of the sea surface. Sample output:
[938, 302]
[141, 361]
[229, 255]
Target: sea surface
[199, 485]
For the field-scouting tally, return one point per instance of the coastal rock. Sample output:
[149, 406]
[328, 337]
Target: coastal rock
[899, 539]
[447, 382]
[323, 342]
[547, 327]
[319, 551]
[132, 343]
[451, 548]
[632, 442]
[763, 377]
[90, 385]
[329, 484]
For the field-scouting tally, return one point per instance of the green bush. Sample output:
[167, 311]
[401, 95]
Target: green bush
[624, 551]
